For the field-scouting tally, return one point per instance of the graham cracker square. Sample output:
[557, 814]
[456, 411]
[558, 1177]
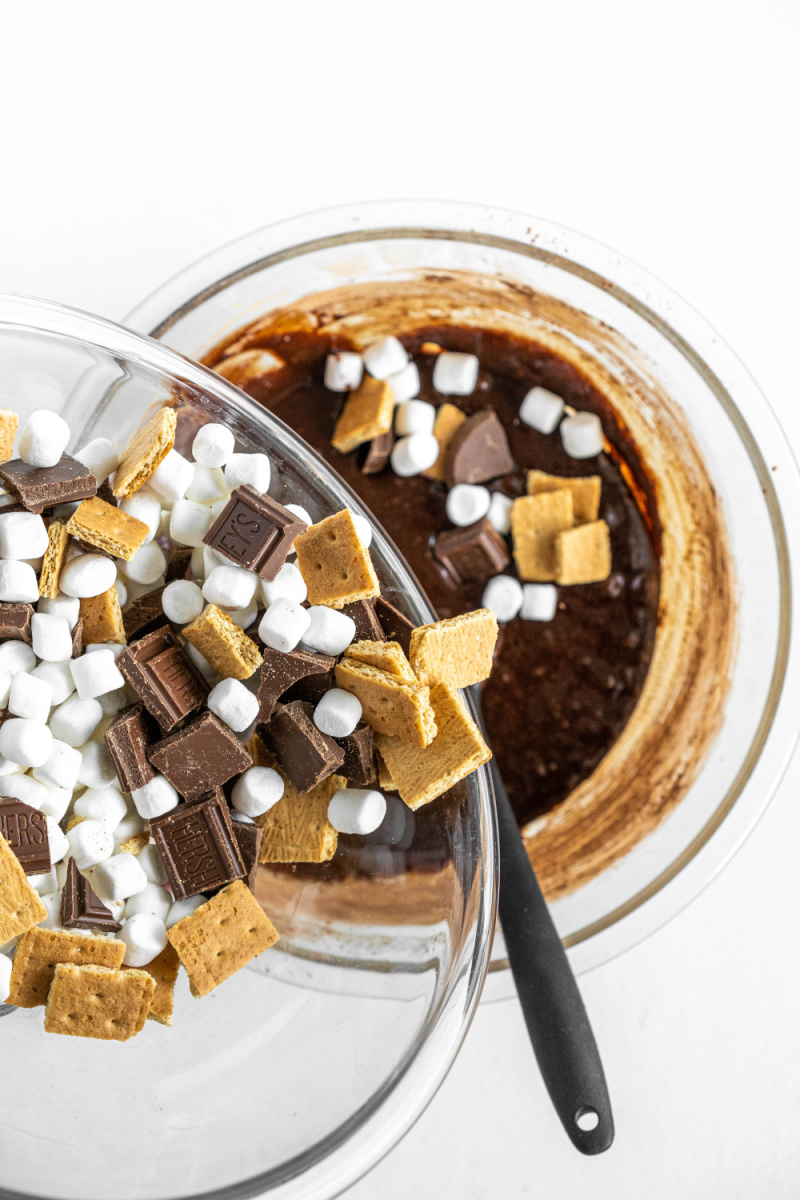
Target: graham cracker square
[296, 829]
[384, 656]
[367, 413]
[146, 451]
[102, 618]
[457, 750]
[164, 970]
[107, 527]
[585, 492]
[222, 936]
[445, 426]
[57, 539]
[458, 651]
[392, 706]
[8, 431]
[38, 952]
[583, 554]
[536, 522]
[336, 567]
[98, 1002]
[20, 906]
[219, 639]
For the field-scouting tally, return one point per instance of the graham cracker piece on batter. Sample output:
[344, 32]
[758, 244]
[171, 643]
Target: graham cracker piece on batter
[57, 539]
[457, 750]
[448, 419]
[102, 618]
[583, 554]
[336, 567]
[367, 414]
[457, 651]
[392, 706]
[384, 656]
[107, 527]
[296, 829]
[227, 647]
[221, 936]
[98, 1002]
[585, 492]
[20, 906]
[146, 451]
[164, 970]
[38, 952]
[8, 431]
[536, 522]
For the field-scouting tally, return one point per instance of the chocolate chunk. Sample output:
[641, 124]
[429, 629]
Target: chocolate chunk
[215, 794]
[479, 450]
[25, 828]
[368, 627]
[81, 907]
[248, 838]
[77, 638]
[127, 738]
[106, 492]
[143, 615]
[198, 847]
[88, 548]
[377, 455]
[164, 678]
[303, 753]
[255, 532]
[43, 487]
[201, 756]
[178, 561]
[475, 552]
[15, 622]
[311, 689]
[396, 626]
[359, 767]
[279, 671]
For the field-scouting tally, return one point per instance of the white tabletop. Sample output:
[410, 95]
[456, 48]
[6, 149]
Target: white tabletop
[138, 136]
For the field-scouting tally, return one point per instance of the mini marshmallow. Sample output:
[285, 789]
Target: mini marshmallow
[283, 625]
[242, 818]
[88, 575]
[152, 864]
[8, 768]
[256, 790]
[56, 802]
[114, 702]
[337, 713]
[499, 513]
[203, 665]
[5, 977]
[5, 686]
[62, 605]
[97, 768]
[503, 595]
[28, 743]
[343, 371]
[211, 559]
[455, 374]
[44, 883]
[301, 513]
[213, 445]
[145, 936]
[288, 583]
[23, 535]
[91, 842]
[184, 908]
[582, 435]
[100, 456]
[147, 565]
[57, 839]
[145, 505]
[43, 439]
[157, 797]
[163, 524]
[26, 789]
[243, 617]
[30, 698]
[467, 503]
[230, 586]
[104, 805]
[61, 768]
[542, 410]
[75, 720]
[539, 602]
[356, 810]
[414, 416]
[189, 523]
[329, 631]
[16, 656]
[414, 454]
[363, 529]
[153, 899]
[128, 827]
[52, 902]
[96, 674]
[253, 469]
[197, 563]
[112, 647]
[208, 486]
[405, 384]
[122, 592]
[119, 877]
[384, 358]
[18, 583]
[231, 701]
[182, 601]
[172, 477]
[51, 637]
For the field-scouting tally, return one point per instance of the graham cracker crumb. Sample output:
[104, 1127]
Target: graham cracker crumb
[392, 706]
[220, 640]
[367, 413]
[8, 431]
[57, 539]
[102, 618]
[585, 492]
[458, 651]
[135, 844]
[146, 451]
[20, 906]
[583, 554]
[447, 422]
[38, 952]
[536, 522]
[98, 1002]
[384, 656]
[336, 567]
[107, 527]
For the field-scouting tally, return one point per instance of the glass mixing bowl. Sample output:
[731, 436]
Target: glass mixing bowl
[561, 285]
[303, 1070]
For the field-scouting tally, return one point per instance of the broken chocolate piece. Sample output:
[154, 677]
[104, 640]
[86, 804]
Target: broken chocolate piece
[127, 738]
[143, 615]
[215, 794]
[39, 488]
[479, 450]
[255, 532]
[378, 453]
[310, 689]
[472, 553]
[304, 754]
[81, 907]
[105, 492]
[279, 671]
[359, 767]
[396, 626]
[248, 838]
[25, 828]
[198, 847]
[15, 622]
[164, 677]
[368, 627]
[178, 561]
[77, 638]
[201, 756]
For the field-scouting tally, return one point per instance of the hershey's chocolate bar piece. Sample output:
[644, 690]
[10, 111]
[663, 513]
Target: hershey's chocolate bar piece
[368, 627]
[198, 847]
[305, 754]
[201, 756]
[310, 689]
[472, 553]
[127, 738]
[39, 488]
[377, 455]
[143, 615]
[279, 671]
[359, 767]
[248, 838]
[165, 678]
[479, 450]
[215, 794]
[77, 638]
[178, 561]
[81, 907]
[15, 622]
[25, 828]
[396, 626]
[255, 532]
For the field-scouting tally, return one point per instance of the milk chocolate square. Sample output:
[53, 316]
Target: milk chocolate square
[165, 678]
[304, 753]
[201, 756]
[198, 847]
[38, 488]
[25, 829]
[255, 532]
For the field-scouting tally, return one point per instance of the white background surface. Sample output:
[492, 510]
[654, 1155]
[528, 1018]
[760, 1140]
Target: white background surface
[139, 136]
